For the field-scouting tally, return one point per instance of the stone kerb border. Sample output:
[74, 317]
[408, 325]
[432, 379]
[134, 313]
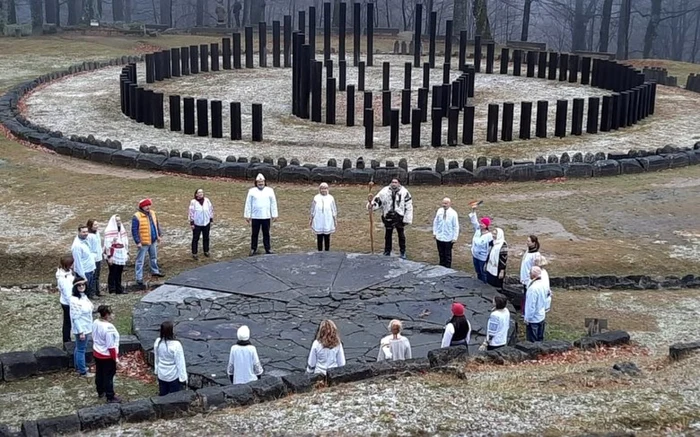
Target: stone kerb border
[693, 83]
[270, 388]
[15, 366]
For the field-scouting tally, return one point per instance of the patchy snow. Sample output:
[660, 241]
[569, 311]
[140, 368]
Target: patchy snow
[689, 251]
[89, 104]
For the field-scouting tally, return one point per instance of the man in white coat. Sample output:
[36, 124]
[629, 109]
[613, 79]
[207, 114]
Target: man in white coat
[260, 211]
[446, 231]
[397, 211]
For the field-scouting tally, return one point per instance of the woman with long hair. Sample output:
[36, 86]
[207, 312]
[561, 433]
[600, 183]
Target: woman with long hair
[64, 282]
[394, 347]
[243, 362]
[169, 367]
[528, 262]
[323, 220]
[498, 257]
[201, 216]
[116, 250]
[327, 350]
[81, 309]
[458, 329]
[105, 348]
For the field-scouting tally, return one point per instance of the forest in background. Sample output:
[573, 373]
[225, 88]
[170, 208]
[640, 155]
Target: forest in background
[663, 29]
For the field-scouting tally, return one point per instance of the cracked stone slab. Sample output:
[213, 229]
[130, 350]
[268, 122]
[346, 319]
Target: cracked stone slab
[283, 298]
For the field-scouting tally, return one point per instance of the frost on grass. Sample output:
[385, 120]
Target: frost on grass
[89, 104]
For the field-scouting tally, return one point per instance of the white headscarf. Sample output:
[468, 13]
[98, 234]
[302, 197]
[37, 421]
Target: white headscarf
[492, 264]
[112, 231]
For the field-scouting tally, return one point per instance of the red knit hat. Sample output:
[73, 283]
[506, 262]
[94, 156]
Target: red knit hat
[457, 309]
[486, 221]
[144, 203]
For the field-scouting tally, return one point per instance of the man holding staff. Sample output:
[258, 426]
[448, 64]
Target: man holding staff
[397, 211]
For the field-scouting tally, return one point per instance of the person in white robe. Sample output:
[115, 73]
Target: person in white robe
[243, 362]
[323, 219]
[116, 251]
[260, 212]
[327, 350]
[394, 347]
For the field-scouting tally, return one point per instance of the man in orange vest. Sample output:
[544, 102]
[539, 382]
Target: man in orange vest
[147, 234]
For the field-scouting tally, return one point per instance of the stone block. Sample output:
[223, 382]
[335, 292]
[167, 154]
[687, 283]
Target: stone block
[173, 405]
[18, 365]
[457, 176]
[535, 350]
[83, 151]
[442, 357]
[384, 175]
[577, 281]
[268, 388]
[606, 167]
[440, 165]
[520, 173]
[360, 176]
[490, 174]
[416, 365]
[102, 155]
[610, 338]
[424, 177]
[5, 431]
[70, 347]
[506, 355]
[677, 160]
[129, 343]
[548, 171]
[678, 351]
[604, 281]
[239, 394]
[693, 157]
[294, 173]
[125, 158]
[29, 428]
[212, 397]
[349, 373]
[630, 166]
[330, 175]
[99, 416]
[298, 382]
[271, 173]
[51, 359]
[204, 167]
[138, 411]
[234, 170]
[150, 161]
[176, 165]
[68, 424]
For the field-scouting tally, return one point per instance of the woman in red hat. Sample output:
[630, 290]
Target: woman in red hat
[458, 329]
[481, 243]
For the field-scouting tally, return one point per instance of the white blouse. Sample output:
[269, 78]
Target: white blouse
[321, 358]
[169, 361]
[323, 214]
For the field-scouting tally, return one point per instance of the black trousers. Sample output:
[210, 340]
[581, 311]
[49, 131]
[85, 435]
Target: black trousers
[98, 268]
[114, 278]
[445, 253]
[66, 323]
[258, 224]
[204, 232]
[104, 377]
[323, 241]
[388, 234]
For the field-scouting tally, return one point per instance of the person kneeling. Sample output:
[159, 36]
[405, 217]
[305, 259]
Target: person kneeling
[243, 362]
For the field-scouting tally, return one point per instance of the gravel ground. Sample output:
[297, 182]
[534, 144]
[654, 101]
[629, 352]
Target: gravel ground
[85, 105]
[533, 398]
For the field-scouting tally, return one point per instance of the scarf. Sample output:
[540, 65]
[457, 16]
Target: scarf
[535, 248]
[201, 201]
[498, 243]
[243, 343]
[112, 231]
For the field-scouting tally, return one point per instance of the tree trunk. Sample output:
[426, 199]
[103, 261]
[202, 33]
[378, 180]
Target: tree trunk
[50, 8]
[604, 39]
[36, 8]
[3, 16]
[403, 12]
[336, 13]
[623, 32]
[652, 26]
[11, 12]
[526, 20]
[388, 14]
[694, 52]
[117, 10]
[166, 12]
[127, 11]
[75, 12]
[460, 16]
[246, 12]
[199, 14]
[578, 30]
[481, 17]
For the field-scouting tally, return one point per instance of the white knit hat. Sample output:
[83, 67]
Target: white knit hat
[243, 333]
[259, 177]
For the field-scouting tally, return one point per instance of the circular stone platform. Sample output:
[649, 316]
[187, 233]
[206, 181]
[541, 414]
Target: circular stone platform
[284, 297]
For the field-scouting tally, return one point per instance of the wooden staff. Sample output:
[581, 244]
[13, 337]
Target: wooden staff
[370, 198]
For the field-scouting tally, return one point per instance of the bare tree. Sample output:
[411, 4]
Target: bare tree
[481, 17]
[11, 12]
[460, 16]
[624, 28]
[694, 51]
[652, 26]
[526, 20]
[604, 39]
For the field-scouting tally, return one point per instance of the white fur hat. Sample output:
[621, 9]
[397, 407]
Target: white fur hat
[243, 333]
[259, 177]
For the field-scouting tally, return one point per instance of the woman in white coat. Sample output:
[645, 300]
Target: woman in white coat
[323, 220]
[327, 350]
